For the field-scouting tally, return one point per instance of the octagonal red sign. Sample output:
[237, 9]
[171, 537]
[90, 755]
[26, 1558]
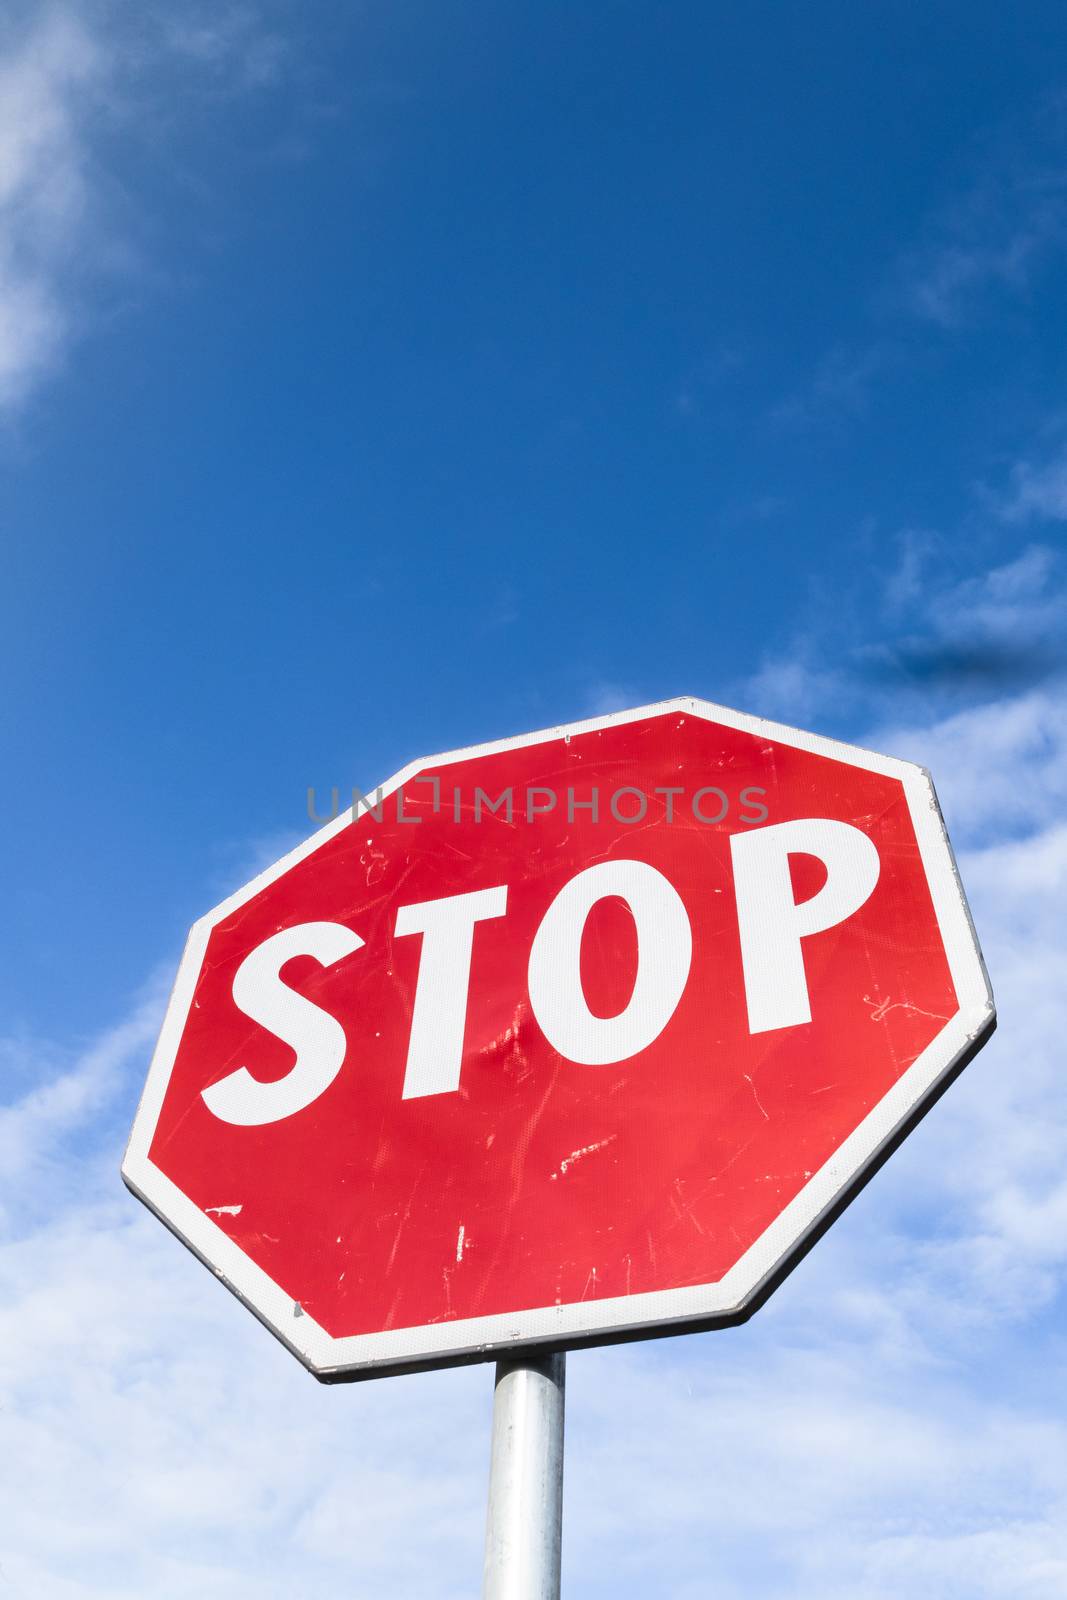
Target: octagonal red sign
[578, 1036]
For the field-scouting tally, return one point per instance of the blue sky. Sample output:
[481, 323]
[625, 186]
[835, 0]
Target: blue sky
[376, 380]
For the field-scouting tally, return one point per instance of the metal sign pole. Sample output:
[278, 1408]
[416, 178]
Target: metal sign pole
[524, 1526]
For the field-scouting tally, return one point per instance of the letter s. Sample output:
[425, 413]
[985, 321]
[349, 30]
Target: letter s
[318, 1039]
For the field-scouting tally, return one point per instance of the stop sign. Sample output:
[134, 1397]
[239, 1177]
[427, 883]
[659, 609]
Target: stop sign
[575, 1037]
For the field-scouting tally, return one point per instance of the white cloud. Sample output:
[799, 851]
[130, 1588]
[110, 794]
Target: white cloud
[1000, 767]
[946, 278]
[164, 1443]
[915, 635]
[807, 1474]
[990, 240]
[905, 583]
[997, 234]
[1038, 492]
[841, 386]
[1004, 598]
[602, 698]
[230, 40]
[49, 79]
[67, 78]
[791, 686]
[32, 1128]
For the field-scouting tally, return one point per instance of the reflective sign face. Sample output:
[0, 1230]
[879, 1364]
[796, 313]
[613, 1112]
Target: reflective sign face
[563, 1039]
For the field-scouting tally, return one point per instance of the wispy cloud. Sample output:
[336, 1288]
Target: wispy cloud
[500, 610]
[945, 281]
[603, 697]
[68, 76]
[1019, 784]
[233, 41]
[840, 388]
[1038, 491]
[998, 234]
[932, 640]
[51, 79]
[999, 631]
[33, 1127]
[988, 242]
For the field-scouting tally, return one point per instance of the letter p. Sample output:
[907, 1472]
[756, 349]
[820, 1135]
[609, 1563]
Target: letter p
[770, 922]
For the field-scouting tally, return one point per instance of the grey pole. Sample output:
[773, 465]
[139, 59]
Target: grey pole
[524, 1527]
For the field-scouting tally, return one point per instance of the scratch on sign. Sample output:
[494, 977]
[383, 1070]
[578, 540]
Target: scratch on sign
[881, 1009]
[755, 1096]
[579, 1155]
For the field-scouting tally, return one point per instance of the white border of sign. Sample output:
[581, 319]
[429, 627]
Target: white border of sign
[561, 1327]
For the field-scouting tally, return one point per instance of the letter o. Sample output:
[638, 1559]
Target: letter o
[664, 955]
[638, 816]
[723, 807]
